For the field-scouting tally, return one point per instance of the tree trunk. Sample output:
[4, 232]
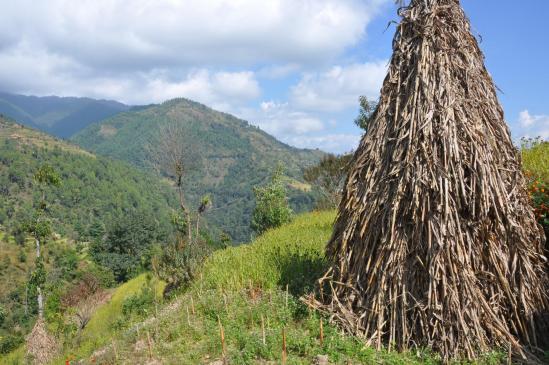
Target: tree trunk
[186, 212]
[40, 297]
[40, 303]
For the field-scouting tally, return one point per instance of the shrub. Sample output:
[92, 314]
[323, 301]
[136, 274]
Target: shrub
[272, 209]
[126, 243]
[178, 266]
[535, 158]
[140, 303]
[10, 343]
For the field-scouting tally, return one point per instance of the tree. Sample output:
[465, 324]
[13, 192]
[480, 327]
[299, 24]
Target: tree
[328, 177]
[40, 228]
[272, 208]
[125, 244]
[366, 112]
[172, 157]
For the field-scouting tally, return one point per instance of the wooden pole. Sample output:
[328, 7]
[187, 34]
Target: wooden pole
[149, 345]
[321, 332]
[115, 352]
[263, 330]
[223, 345]
[284, 351]
[225, 303]
[286, 295]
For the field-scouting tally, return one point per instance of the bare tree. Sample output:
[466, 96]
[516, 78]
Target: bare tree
[172, 157]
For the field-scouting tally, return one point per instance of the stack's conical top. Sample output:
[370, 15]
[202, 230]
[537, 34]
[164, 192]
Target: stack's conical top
[435, 244]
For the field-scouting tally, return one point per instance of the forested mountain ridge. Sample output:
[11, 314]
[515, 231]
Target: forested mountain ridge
[93, 190]
[60, 116]
[232, 156]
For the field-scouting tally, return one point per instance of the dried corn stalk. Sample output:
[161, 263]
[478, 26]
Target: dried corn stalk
[435, 244]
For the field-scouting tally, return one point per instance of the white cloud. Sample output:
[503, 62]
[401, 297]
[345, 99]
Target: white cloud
[214, 89]
[339, 87]
[533, 125]
[216, 52]
[281, 120]
[107, 38]
[337, 143]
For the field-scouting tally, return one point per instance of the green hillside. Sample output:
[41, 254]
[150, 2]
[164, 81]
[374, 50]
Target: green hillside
[241, 288]
[231, 156]
[60, 116]
[94, 189]
[94, 193]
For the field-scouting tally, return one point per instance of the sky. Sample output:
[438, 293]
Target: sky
[295, 68]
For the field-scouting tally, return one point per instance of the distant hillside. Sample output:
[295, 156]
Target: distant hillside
[94, 189]
[60, 116]
[234, 156]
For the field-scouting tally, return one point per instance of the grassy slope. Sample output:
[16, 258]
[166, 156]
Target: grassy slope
[240, 286]
[99, 330]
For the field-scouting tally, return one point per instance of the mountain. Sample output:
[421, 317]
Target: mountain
[94, 189]
[233, 157]
[60, 116]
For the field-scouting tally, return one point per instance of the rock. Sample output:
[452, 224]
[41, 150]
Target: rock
[321, 360]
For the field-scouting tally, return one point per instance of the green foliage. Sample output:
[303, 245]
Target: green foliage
[236, 292]
[178, 266]
[140, 304]
[328, 177]
[233, 157]
[272, 209]
[95, 190]
[3, 315]
[367, 109]
[10, 343]
[106, 320]
[535, 158]
[46, 175]
[126, 243]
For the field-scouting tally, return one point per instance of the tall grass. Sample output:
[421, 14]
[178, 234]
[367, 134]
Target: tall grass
[242, 287]
[292, 255]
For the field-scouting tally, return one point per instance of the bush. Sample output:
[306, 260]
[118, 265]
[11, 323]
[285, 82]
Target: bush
[178, 266]
[127, 241]
[140, 303]
[3, 315]
[272, 209]
[10, 343]
[535, 158]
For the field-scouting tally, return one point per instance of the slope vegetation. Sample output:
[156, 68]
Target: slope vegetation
[253, 292]
[94, 189]
[232, 156]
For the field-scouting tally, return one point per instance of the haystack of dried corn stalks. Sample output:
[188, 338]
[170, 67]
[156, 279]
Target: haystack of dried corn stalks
[435, 244]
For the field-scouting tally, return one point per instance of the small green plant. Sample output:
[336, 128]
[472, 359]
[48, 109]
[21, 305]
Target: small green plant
[140, 304]
[10, 343]
[22, 256]
[272, 209]
[366, 112]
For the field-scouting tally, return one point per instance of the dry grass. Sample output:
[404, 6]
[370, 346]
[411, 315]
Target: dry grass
[435, 244]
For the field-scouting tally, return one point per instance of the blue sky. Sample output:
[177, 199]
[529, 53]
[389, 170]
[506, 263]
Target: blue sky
[293, 67]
